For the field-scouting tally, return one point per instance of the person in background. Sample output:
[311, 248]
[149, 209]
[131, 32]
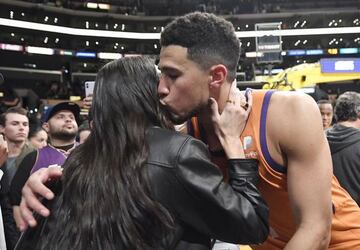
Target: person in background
[3, 157]
[9, 97]
[344, 141]
[327, 113]
[84, 132]
[14, 125]
[37, 136]
[86, 103]
[136, 184]
[60, 123]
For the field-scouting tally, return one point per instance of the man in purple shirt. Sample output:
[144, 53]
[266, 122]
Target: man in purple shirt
[60, 122]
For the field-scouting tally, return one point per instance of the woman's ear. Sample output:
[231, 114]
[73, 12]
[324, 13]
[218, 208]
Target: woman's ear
[45, 126]
[218, 75]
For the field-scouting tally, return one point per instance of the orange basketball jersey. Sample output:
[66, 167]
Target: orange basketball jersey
[273, 185]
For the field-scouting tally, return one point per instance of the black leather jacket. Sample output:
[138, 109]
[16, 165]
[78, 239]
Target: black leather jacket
[192, 188]
[204, 207]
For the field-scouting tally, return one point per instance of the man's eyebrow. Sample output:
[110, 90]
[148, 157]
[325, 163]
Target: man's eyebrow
[168, 68]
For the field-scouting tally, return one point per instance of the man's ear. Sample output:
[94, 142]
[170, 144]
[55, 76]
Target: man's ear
[218, 75]
[2, 129]
[45, 126]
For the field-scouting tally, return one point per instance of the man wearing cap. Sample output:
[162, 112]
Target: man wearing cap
[60, 122]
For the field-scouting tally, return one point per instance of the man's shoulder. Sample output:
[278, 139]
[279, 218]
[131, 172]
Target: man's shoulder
[291, 114]
[291, 104]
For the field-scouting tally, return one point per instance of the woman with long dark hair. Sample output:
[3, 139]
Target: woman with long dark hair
[136, 184]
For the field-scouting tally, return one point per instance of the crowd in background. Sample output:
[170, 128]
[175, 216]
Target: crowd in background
[132, 128]
[29, 136]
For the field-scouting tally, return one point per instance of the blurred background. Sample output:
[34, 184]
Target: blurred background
[48, 49]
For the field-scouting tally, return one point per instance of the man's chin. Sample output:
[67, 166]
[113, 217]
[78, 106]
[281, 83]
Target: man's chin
[19, 140]
[176, 119]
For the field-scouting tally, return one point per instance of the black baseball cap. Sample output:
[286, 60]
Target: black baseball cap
[70, 106]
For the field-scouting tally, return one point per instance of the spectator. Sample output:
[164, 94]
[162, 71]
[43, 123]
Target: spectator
[326, 110]
[84, 132]
[14, 125]
[3, 157]
[344, 141]
[60, 124]
[37, 136]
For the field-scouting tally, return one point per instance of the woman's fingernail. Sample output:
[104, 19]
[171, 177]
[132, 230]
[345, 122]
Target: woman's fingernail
[32, 223]
[44, 212]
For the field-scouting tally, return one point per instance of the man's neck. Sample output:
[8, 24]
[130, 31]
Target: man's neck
[15, 148]
[61, 143]
[352, 124]
[204, 117]
[223, 95]
[212, 140]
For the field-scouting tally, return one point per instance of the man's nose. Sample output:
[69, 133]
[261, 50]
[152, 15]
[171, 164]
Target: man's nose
[163, 90]
[68, 119]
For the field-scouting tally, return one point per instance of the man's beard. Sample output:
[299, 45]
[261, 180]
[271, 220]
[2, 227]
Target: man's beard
[177, 119]
[64, 135]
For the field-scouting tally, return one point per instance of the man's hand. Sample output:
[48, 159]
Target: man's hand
[229, 125]
[87, 101]
[33, 190]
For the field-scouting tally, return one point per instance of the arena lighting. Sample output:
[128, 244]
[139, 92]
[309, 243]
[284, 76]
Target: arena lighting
[311, 52]
[65, 52]
[333, 51]
[39, 50]
[79, 32]
[12, 47]
[104, 6]
[348, 50]
[86, 54]
[254, 54]
[92, 5]
[273, 71]
[308, 90]
[107, 55]
[296, 52]
[156, 36]
[299, 32]
[132, 55]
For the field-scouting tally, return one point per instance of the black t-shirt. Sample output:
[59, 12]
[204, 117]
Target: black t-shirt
[21, 176]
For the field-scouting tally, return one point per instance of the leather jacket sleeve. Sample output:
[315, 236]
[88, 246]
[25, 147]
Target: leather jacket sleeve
[233, 212]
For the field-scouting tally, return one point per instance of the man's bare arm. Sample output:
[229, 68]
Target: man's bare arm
[302, 141]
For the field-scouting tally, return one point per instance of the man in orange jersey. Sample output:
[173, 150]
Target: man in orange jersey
[308, 209]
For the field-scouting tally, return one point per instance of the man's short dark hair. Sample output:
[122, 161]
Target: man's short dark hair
[12, 110]
[324, 101]
[209, 39]
[347, 107]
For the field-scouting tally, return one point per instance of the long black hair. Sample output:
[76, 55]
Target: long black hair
[105, 202]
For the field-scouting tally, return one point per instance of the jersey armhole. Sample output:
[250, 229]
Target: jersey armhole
[264, 148]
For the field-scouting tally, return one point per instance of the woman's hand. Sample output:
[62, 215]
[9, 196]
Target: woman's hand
[229, 125]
